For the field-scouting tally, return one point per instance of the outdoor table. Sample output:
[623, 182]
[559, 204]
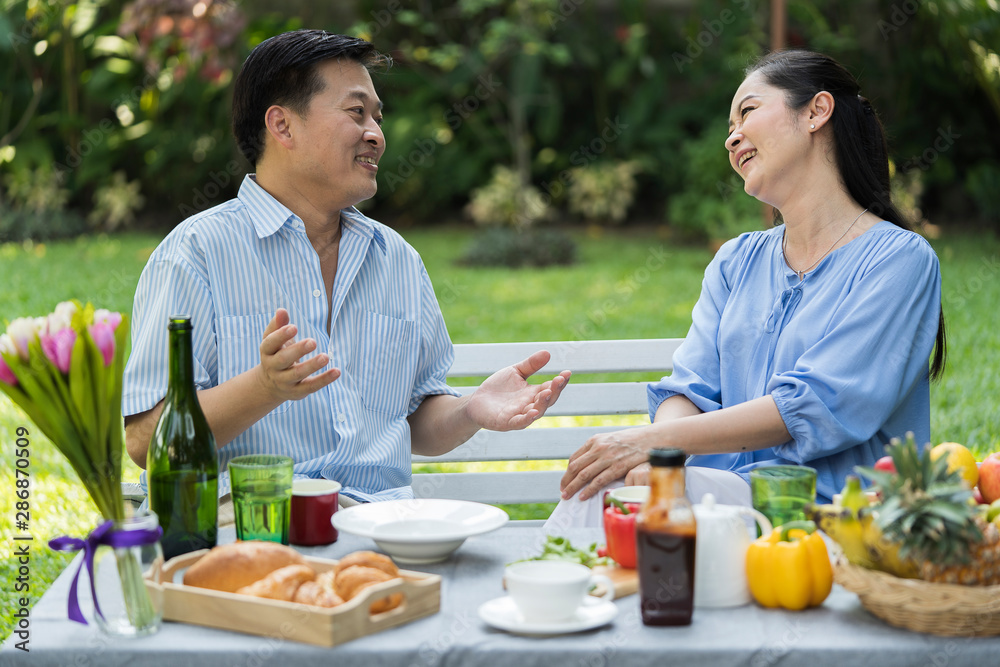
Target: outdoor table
[839, 633]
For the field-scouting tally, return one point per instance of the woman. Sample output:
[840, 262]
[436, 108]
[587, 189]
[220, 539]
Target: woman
[810, 341]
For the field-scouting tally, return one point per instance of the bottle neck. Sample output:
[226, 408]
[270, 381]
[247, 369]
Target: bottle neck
[181, 381]
[666, 483]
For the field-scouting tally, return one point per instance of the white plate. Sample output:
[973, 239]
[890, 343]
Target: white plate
[421, 530]
[502, 613]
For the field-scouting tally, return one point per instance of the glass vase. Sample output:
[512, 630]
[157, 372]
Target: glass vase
[129, 595]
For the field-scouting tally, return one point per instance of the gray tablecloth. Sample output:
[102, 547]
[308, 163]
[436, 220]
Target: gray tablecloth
[839, 634]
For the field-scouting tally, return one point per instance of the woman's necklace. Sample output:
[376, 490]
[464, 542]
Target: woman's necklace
[813, 265]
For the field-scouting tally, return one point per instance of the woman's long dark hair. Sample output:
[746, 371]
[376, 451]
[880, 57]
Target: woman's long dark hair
[859, 139]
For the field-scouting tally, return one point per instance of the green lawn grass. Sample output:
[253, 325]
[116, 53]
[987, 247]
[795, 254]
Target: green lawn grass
[627, 284]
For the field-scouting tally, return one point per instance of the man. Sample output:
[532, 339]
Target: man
[317, 332]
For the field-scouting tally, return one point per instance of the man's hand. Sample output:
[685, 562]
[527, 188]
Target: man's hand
[280, 373]
[506, 402]
[604, 458]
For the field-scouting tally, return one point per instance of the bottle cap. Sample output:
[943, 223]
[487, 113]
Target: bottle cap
[668, 458]
[180, 323]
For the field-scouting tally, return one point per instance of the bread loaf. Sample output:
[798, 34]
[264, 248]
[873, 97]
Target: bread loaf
[232, 566]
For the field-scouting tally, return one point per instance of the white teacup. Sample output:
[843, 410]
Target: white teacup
[630, 494]
[549, 590]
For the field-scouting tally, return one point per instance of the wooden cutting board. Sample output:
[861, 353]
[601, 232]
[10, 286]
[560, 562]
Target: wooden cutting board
[626, 581]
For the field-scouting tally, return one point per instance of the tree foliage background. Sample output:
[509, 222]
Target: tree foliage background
[116, 113]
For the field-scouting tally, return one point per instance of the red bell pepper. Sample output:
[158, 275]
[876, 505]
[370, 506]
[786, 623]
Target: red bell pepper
[619, 531]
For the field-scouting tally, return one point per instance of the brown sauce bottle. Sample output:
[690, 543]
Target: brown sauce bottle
[665, 542]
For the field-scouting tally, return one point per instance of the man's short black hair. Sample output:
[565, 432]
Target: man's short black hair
[282, 70]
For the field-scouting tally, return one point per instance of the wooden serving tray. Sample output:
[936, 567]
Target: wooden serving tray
[293, 621]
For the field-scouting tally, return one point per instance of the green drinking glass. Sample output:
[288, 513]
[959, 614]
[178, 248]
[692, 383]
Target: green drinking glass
[262, 496]
[781, 492]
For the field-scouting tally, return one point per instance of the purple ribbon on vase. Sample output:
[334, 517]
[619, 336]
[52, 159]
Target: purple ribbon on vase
[102, 535]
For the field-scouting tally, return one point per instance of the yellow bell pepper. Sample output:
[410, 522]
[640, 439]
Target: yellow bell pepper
[790, 567]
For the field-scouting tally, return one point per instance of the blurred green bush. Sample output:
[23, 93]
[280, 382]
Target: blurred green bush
[505, 202]
[515, 248]
[603, 192]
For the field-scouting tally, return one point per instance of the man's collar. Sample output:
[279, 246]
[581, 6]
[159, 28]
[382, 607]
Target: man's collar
[268, 215]
[355, 221]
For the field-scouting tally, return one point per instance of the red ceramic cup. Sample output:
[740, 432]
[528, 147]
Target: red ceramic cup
[313, 503]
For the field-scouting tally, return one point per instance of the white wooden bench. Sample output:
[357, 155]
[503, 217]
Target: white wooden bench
[538, 442]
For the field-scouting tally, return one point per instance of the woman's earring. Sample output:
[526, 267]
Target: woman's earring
[812, 127]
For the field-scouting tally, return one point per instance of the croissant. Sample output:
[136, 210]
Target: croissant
[281, 584]
[367, 559]
[315, 593]
[350, 581]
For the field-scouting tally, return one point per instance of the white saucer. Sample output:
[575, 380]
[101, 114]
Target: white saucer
[501, 613]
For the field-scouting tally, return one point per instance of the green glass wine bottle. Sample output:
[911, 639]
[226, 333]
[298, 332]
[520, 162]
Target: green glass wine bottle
[182, 464]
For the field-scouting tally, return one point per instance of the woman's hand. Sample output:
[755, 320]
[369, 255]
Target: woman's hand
[604, 458]
[638, 476]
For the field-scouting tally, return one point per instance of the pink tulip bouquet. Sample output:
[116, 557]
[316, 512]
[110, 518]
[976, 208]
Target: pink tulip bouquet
[65, 371]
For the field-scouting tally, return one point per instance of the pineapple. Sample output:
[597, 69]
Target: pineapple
[928, 512]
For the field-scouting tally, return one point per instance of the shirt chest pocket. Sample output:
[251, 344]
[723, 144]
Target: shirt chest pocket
[239, 341]
[387, 363]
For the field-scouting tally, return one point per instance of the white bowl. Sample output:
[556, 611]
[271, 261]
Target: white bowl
[422, 530]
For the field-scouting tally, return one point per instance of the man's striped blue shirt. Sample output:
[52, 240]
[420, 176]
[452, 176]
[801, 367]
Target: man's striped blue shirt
[231, 268]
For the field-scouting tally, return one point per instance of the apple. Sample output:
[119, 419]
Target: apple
[978, 496]
[885, 464]
[989, 478]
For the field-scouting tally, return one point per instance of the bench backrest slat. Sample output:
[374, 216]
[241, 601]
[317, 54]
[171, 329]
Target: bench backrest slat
[591, 356]
[532, 444]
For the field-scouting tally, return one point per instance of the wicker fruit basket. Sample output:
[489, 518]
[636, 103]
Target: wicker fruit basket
[940, 609]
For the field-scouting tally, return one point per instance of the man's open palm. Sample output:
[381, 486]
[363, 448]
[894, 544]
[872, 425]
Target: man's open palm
[506, 402]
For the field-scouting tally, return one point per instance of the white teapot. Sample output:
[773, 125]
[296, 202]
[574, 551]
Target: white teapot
[720, 578]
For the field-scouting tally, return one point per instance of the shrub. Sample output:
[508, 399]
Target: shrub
[604, 191]
[116, 203]
[514, 249]
[33, 207]
[38, 190]
[983, 184]
[505, 201]
[22, 225]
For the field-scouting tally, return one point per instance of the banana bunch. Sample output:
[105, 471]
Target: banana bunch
[851, 525]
